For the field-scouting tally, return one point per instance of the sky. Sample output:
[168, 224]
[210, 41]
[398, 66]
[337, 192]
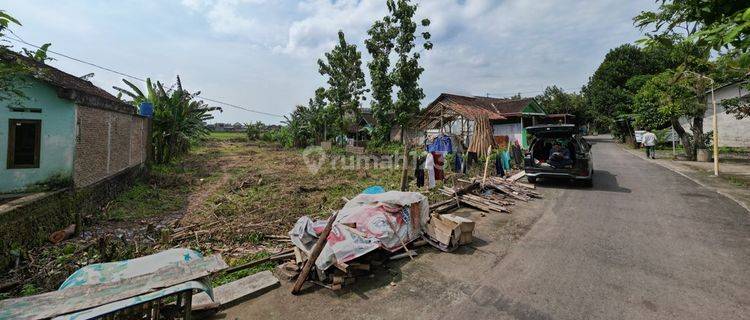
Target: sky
[262, 54]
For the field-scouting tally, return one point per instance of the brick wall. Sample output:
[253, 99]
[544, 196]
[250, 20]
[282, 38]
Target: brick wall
[107, 142]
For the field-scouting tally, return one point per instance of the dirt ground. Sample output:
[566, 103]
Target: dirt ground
[402, 289]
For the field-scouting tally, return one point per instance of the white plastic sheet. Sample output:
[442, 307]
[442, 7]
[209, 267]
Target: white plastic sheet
[365, 223]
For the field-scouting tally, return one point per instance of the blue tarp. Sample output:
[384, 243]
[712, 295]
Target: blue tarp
[373, 190]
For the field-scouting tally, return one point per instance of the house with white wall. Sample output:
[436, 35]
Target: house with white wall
[733, 132]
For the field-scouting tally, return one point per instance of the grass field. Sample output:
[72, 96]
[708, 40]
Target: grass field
[227, 136]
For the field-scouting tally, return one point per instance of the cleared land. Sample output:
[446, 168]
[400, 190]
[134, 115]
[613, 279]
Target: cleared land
[228, 195]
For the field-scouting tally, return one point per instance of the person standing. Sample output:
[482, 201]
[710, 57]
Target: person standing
[649, 143]
[429, 165]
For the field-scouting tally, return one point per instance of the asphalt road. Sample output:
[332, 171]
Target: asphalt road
[644, 243]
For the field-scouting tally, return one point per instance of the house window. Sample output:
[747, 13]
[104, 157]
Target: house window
[24, 139]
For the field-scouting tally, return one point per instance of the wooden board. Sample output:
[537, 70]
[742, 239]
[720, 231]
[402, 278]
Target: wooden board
[48, 305]
[517, 176]
[235, 290]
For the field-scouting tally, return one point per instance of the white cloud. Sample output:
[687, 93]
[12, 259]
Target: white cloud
[322, 19]
[261, 53]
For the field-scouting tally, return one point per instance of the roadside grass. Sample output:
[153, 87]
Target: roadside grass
[737, 181]
[229, 277]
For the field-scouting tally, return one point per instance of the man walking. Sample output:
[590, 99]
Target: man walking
[649, 143]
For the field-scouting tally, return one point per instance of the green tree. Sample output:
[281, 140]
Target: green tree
[556, 100]
[380, 44]
[178, 117]
[254, 130]
[606, 93]
[667, 97]
[407, 70]
[343, 67]
[320, 115]
[723, 25]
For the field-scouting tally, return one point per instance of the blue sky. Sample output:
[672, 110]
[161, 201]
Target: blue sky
[262, 53]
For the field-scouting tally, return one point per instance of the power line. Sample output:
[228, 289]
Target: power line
[19, 39]
[517, 92]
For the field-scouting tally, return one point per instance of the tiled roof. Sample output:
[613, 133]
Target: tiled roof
[69, 86]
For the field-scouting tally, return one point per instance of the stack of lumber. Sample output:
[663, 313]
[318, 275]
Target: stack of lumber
[477, 201]
[496, 194]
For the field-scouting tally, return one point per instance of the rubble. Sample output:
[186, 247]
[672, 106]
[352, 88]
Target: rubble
[372, 229]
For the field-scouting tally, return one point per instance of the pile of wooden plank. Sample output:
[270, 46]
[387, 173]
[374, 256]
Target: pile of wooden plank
[495, 195]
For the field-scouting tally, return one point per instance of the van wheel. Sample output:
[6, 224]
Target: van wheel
[531, 179]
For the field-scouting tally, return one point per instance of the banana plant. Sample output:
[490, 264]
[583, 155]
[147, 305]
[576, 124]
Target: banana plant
[179, 116]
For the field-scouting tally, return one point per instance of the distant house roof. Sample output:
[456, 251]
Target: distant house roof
[447, 106]
[69, 86]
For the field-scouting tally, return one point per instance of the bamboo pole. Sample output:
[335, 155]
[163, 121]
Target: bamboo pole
[314, 254]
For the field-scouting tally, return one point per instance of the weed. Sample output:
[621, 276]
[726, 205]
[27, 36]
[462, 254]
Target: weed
[737, 181]
[229, 277]
[29, 289]
[255, 237]
[143, 200]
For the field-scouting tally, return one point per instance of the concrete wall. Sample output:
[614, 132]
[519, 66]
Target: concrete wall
[107, 143]
[57, 141]
[27, 222]
[732, 132]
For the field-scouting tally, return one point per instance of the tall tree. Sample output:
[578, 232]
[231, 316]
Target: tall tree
[407, 70]
[723, 25]
[606, 92]
[380, 44]
[319, 115]
[343, 67]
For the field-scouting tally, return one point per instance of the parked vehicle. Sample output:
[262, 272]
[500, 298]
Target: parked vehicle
[558, 151]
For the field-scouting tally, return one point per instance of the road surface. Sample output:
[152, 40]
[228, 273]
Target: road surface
[643, 243]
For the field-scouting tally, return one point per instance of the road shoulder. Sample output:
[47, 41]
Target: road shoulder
[737, 194]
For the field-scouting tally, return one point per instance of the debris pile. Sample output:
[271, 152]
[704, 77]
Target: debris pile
[494, 195]
[374, 228]
[369, 230]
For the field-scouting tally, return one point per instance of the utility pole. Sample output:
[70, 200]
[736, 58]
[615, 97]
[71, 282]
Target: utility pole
[715, 122]
[716, 132]
[674, 145]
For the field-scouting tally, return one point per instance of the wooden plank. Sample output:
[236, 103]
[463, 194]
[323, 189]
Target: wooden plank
[78, 298]
[517, 176]
[235, 290]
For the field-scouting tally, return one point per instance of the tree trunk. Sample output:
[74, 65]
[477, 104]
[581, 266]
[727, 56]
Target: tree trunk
[699, 141]
[405, 169]
[684, 138]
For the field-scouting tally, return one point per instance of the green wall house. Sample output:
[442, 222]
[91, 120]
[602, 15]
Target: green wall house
[518, 114]
[451, 113]
[64, 131]
[37, 138]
